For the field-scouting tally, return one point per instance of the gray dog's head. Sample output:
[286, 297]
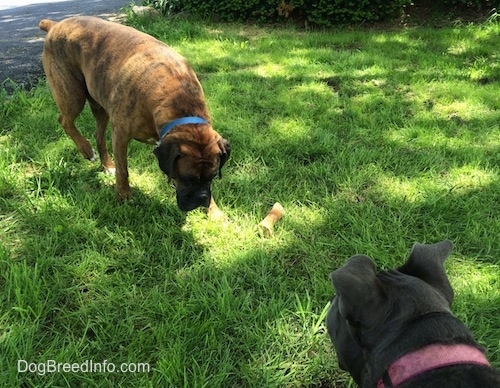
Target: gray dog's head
[371, 308]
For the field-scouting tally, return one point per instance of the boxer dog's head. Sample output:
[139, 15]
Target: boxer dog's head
[191, 163]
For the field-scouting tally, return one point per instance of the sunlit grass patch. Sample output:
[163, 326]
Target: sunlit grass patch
[472, 280]
[467, 178]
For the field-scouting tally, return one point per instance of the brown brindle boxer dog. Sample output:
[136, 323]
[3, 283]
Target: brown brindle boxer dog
[149, 93]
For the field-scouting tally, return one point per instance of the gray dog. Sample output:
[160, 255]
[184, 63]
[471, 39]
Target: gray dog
[395, 329]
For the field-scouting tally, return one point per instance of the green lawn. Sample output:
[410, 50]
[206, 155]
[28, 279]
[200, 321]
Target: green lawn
[371, 140]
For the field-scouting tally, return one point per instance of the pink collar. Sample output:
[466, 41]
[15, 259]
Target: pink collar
[432, 357]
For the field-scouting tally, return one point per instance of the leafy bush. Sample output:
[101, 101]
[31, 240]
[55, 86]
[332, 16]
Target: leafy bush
[316, 12]
[328, 12]
[234, 10]
[166, 7]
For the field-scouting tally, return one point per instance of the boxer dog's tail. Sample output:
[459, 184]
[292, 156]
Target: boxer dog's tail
[46, 24]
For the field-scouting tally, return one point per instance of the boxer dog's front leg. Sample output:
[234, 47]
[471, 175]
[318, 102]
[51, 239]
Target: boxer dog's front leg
[120, 145]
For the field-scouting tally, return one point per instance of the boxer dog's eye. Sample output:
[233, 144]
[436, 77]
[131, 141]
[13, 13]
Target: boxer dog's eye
[190, 179]
[194, 180]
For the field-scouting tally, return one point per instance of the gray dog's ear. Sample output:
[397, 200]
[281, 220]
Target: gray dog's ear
[167, 154]
[356, 284]
[225, 150]
[426, 262]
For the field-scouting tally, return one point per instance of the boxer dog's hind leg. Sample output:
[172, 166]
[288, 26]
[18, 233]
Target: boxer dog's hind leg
[69, 95]
[102, 119]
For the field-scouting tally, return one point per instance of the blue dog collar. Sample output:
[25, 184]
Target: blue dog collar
[184, 120]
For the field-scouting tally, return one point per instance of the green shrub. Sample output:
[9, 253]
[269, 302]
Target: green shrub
[166, 7]
[316, 12]
[234, 10]
[334, 12]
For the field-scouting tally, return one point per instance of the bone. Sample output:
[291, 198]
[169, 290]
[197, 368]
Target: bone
[266, 226]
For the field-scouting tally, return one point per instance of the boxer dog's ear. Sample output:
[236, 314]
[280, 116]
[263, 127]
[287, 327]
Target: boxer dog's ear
[426, 262]
[225, 151]
[167, 154]
[357, 286]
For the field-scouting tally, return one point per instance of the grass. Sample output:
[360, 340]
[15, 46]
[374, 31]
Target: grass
[371, 140]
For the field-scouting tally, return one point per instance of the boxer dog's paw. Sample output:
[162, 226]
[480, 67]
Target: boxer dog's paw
[109, 168]
[218, 216]
[88, 152]
[123, 197]
[110, 171]
[93, 158]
